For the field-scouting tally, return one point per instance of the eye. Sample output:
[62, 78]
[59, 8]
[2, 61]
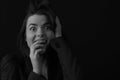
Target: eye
[48, 27]
[33, 28]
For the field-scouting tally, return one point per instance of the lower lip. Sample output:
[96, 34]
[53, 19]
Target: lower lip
[41, 45]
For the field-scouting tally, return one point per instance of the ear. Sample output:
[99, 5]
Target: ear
[26, 41]
[25, 35]
[25, 38]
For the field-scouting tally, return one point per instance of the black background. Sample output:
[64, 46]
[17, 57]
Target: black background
[88, 25]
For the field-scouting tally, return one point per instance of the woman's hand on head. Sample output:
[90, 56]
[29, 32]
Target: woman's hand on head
[58, 32]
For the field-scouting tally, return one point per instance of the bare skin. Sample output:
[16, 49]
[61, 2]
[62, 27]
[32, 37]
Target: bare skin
[39, 64]
[34, 40]
[38, 32]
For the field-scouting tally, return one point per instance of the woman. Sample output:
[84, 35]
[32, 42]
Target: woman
[45, 54]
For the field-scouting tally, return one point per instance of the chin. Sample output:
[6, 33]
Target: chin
[44, 50]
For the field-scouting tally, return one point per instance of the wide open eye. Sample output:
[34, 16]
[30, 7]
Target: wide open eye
[33, 28]
[47, 27]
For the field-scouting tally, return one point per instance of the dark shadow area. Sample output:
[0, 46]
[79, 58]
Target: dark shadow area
[87, 25]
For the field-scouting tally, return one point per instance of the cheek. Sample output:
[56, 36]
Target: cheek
[50, 35]
[29, 39]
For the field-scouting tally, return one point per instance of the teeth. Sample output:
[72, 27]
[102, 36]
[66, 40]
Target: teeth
[39, 47]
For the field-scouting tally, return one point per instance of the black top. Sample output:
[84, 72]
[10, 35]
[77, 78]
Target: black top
[14, 67]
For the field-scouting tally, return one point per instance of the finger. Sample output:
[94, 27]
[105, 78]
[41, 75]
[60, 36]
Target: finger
[33, 48]
[36, 45]
[38, 51]
[57, 21]
[58, 27]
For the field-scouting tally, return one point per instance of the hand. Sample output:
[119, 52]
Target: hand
[64, 54]
[58, 28]
[58, 32]
[37, 61]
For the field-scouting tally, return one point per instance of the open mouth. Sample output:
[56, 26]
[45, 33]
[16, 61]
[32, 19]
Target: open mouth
[41, 44]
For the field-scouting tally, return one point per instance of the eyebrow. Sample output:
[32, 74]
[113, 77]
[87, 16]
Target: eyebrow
[32, 24]
[47, 23]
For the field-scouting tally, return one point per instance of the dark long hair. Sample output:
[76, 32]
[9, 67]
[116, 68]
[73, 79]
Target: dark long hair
[41, 9]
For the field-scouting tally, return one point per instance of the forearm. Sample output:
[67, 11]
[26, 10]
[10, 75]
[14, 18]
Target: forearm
[35, 76]
[65, 56]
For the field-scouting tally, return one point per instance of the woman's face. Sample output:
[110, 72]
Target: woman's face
[38, 31]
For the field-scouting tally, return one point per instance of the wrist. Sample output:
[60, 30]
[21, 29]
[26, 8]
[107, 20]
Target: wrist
[36, 71]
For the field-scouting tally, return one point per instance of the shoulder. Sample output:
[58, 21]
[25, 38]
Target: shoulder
[9, 67]
[9, 60]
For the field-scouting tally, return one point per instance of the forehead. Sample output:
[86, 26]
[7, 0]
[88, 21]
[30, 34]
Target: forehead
[37, 19]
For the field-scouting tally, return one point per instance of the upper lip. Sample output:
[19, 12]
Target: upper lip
[41, 41]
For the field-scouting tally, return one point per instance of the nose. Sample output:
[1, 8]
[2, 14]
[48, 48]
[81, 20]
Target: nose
[40, 33]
